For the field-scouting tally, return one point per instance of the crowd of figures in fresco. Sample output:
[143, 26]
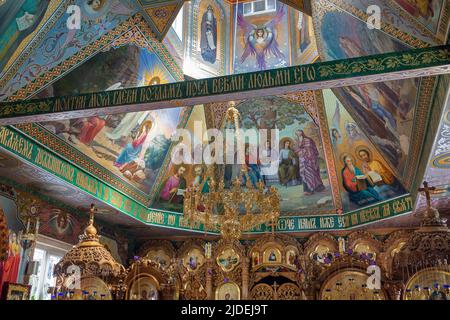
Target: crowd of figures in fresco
[132, 145]
[369, 157]
[365, 175]
[298, 167]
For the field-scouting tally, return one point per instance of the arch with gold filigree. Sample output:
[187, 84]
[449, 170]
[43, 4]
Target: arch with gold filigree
[229, 266]
[148, 280]
[160, 251]
[422, 285]
[391, 247]
[363, 242]
[349, 284]
[320, 249]
[270, 289]
[192, 270]
[274, 264]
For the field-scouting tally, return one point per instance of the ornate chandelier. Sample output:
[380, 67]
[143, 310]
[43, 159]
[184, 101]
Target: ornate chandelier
[233, 210]
[92, 259]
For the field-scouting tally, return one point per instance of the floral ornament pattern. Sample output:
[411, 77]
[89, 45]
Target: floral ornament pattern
[387, 64]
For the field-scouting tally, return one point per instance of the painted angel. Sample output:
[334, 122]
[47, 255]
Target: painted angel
[261, 41]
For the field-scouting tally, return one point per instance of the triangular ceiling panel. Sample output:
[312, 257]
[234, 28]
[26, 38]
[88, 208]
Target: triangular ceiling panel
[101, 144]
[54, 43]
[305, 187]
[385, 111]
[161, 15]
[348, 141]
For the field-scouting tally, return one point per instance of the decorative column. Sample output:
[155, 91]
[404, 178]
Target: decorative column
[209, 295]
[168, 291]
[310, 290]
[245, 278]
[394, 289]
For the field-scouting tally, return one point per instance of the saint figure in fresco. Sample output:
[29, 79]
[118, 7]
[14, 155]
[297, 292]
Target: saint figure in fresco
[356, 184]
[352, 131]
[208, 41]
[90, 127]
[303, 27]
[287, 170]
[374, 102]
[9, 269]
[380, 177]
[308, 158]
[261, 41]
[134, 148]
[371, 165]
[270, 168]
[253, 169]
[336, 137]
[199, 180]
[173, 188]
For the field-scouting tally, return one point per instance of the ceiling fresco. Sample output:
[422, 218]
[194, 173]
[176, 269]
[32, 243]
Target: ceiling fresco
[437, 172]
[426, 21]
[385, 111]
[335, 137]
[57, 43]
[121, 143]
[355, 156]
[160, 14]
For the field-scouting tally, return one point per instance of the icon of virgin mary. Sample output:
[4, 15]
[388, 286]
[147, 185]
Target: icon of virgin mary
[208, 41]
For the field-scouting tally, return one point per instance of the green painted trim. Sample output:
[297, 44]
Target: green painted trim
[368, 215]
[383, 67]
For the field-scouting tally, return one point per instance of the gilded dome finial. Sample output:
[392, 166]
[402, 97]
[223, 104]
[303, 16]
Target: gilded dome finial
[90, 230]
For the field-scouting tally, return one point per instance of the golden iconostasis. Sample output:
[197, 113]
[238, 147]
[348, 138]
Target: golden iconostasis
[278, 267]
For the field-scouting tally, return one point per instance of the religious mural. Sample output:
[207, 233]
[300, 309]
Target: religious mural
[134, 145]
[60, 43]
[303, 40]
[206, 39]
[364, 176]
[438, 171]
[262, 38]
[384, 109]
[60, 225]
[300, 171]
[18, 20]
[228, 291]
[182, 175]
[193, 260]
[394, 14]
[144, 288]
[427, 12]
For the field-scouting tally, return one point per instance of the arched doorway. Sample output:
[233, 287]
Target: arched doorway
[275, 288]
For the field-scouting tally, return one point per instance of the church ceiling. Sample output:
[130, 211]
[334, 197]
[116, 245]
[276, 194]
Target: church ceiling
[160, 14]
[119, 46]
[387, 112]
[437, 172]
